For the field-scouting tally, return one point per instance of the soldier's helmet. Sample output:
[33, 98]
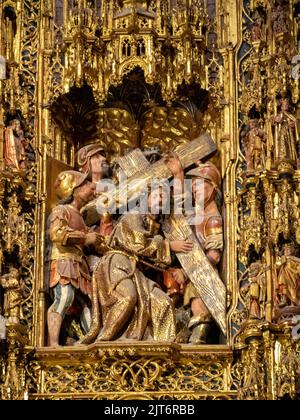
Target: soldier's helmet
[67, 181]
[85, 153]
[208, 172]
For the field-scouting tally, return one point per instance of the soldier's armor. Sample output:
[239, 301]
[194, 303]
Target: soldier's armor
[67, 232]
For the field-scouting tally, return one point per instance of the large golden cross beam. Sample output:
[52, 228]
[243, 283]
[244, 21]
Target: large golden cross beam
[142, 174]
[199, 270]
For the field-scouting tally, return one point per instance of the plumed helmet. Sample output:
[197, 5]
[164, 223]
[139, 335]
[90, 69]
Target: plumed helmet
[209, 172]
[66, 183]
[85, 153]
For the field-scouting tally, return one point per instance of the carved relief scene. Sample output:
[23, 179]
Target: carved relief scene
[149, 199]
[133, 134]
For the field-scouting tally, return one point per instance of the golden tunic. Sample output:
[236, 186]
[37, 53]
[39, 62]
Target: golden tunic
[289, 278]
[131, 305]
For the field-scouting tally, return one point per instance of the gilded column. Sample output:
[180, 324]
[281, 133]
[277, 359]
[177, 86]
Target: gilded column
[228, 24]
[41, 139]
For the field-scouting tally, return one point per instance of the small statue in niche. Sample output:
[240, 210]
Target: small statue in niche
[255, 291]
[285, 134]
[288, 278]
[254, 140]
[280, 18]
[14, 295]
[257, 28]
[14, 146]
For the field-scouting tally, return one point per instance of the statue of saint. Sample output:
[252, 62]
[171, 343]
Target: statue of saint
[280, 18]
[209, 232]
[257, 28]
[255, 291]
[130, 305]
[285, 135]
[14, 146]
[14, 295]
[255, 146]
[288, 278]
[69, 271]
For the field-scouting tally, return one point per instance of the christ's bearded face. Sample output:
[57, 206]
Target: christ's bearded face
[158, 201]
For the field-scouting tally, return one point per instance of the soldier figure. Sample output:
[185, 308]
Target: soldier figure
[209, 232]
[69, 235]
